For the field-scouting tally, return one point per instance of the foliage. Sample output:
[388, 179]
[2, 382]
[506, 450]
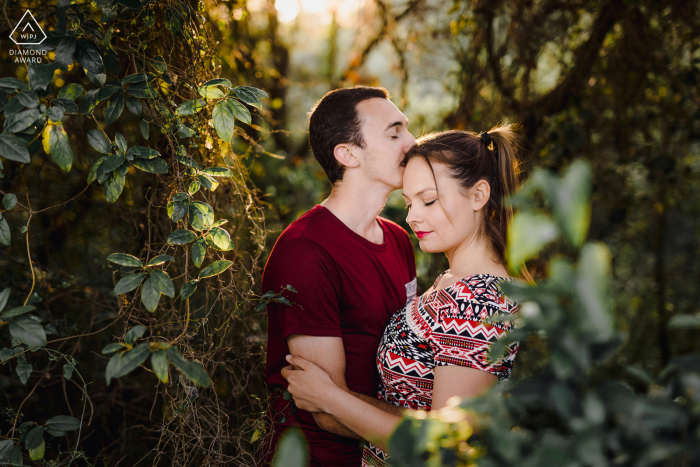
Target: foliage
[563, 414]
[110, 56]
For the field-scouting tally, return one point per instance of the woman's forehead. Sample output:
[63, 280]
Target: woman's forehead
[418, 178]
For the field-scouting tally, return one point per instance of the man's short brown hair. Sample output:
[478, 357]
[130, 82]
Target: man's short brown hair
[334, 120]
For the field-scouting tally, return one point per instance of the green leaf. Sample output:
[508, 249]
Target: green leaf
[63, 423]
[9, 201]
[527, 235]
[20, 121]
[160, 259]
[217, 172]
[5, 235]
[68, 369]
[98, 79]
[40, 76]
[181, 237]
[250, 95]
[155, 165]
[158, 64]
[292, 450]
[178, 209]
[210, 92]
[113, 347]
[568, 197]
[130, 360]
[99, 142]
[134, 333]
[218, 82]
[34, 437]
[144, 129]
[220, 237]
[12, 312]
[215, 268]
[142, 91]
[23, 370]
[92, 175]
[188, 288]
[593, 288]
[71, 91]
[142, 152]
[107, 92]
[159, 361]
[223, 120]
[55, 114]
[124, 259]
[201, 215]
[684, 321]
[14, 148]
[188, 161]
[4, 295]
[12, 84]
[207, 182]
[59, 147]
[199, 251]
[193, 370]
[190, 107]
[38, 452]
[28, 99]
[135, 78]
[163, 283]
[88, 55]
[150, 295]
[134, 105]
[65, 51]
[239, 111]
[114, 186]
[194, 187]
[67, 105]
[12, 107]
[28, 330]
[112, 163]
[129, 283]
[121, 141]
[111, 366]
[114, 109]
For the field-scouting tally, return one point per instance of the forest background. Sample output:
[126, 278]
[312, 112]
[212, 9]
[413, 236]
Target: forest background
[612, 82]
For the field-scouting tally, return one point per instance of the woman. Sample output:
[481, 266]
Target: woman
[437, 346]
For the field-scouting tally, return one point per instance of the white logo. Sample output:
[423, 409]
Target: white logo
[28, 31]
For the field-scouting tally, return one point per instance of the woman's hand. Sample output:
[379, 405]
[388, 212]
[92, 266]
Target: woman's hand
[310, 386]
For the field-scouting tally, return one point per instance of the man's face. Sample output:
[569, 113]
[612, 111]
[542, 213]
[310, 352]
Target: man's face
[386, 136]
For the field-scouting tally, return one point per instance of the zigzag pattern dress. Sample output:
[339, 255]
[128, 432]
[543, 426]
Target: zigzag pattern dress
[444, 327]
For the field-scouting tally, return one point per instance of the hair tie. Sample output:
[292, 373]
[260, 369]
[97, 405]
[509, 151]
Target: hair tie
[486, 139]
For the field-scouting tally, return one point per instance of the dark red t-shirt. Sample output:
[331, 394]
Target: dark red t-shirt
[346, 287]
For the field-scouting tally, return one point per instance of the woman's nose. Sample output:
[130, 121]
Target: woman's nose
[413, 218]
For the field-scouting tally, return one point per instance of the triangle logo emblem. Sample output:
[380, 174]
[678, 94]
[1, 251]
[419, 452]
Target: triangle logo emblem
[28, 31]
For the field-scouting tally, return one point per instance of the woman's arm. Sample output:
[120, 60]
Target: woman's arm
[314, 391]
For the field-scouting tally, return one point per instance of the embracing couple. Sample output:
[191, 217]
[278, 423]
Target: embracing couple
[357, 346]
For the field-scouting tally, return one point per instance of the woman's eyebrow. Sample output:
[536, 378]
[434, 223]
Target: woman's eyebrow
[420, 192]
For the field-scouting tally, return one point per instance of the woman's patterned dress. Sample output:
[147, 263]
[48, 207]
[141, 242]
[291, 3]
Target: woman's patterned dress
[444, 327]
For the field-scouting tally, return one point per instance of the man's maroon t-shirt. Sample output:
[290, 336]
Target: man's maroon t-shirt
[346, 287]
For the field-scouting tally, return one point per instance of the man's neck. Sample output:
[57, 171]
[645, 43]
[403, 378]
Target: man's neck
[357, 206]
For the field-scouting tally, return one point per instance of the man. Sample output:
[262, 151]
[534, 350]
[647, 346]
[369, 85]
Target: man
[351, 269]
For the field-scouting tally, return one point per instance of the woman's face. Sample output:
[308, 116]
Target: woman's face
[435, 232]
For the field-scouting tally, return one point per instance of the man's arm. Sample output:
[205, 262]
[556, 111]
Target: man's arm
[329, 354]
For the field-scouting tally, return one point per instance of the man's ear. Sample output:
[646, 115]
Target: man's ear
[344, 155]
[482, 193]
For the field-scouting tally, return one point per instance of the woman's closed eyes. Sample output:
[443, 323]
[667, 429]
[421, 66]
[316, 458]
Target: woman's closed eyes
[408, 206]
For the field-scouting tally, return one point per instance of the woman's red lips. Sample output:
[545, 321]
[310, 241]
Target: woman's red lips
[420, 234]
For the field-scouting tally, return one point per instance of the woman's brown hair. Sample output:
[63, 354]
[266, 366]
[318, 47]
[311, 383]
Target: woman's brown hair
[470, 157]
